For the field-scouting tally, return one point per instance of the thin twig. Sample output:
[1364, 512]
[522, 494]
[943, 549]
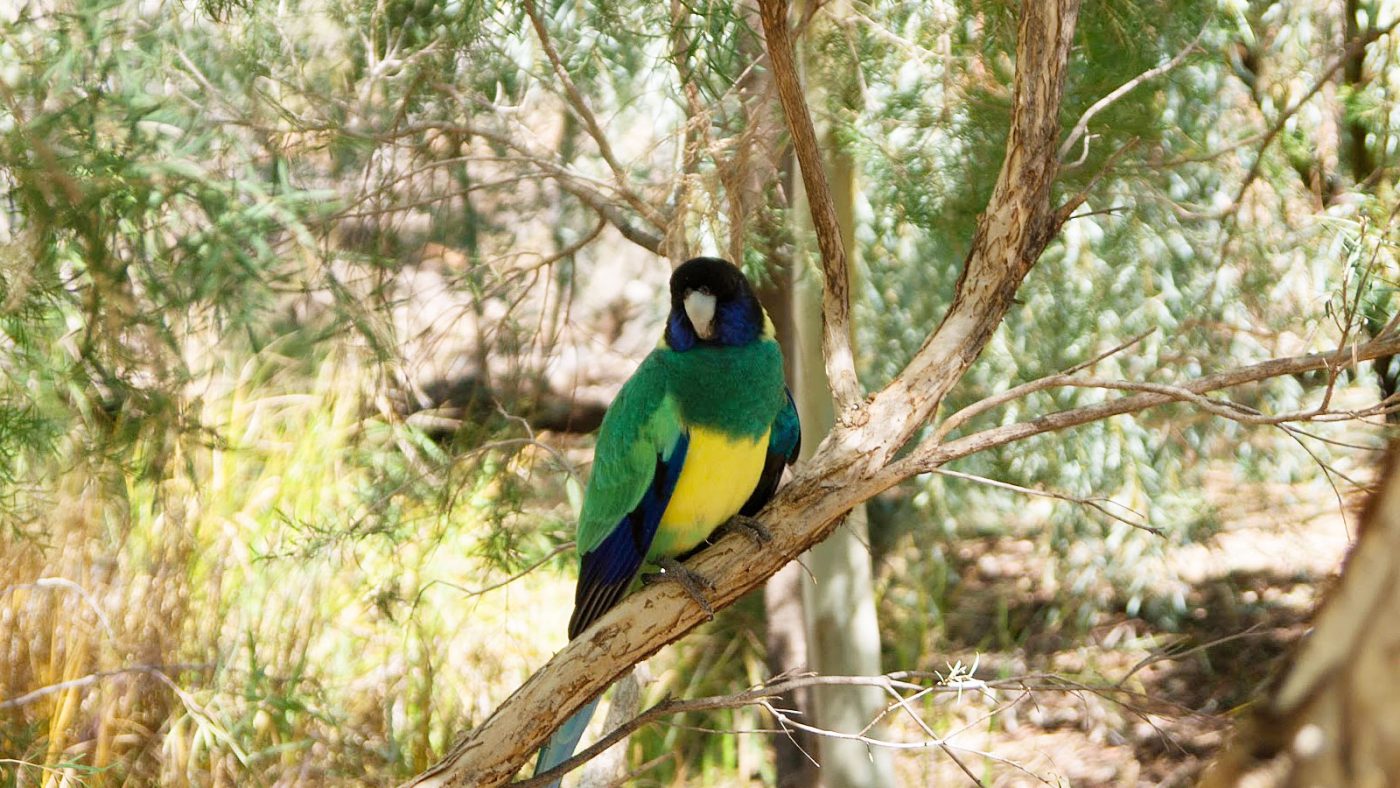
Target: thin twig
[1092, 503]
[1082, 124]
[1016, 392]
[67, 585]
[1171, 654]
[471, 592]
[590, 122]
[931, 453]
[92, 678]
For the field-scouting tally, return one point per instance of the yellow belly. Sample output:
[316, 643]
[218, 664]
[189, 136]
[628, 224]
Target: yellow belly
[718, 476]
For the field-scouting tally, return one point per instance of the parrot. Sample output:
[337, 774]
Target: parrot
[696, 440]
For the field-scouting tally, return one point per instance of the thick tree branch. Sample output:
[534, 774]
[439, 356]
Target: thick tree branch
[1016, 227]
[804, 512]
[836, 281]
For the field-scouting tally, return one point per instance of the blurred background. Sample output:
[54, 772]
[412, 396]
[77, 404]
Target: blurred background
[308, 309]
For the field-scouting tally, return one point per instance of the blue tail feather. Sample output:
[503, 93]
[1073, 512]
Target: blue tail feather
[562, 744]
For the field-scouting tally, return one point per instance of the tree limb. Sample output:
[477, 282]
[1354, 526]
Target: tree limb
[804, 511]
[1016, 227]
[1082, 125]
[836, 281]
[587, 190]
[931, 454]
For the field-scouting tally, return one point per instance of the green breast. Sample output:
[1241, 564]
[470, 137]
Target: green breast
[737, 391]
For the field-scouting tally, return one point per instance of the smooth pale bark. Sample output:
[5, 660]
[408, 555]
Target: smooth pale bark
[843, 634]
[854, 463]
[786, 639]
[785, 635]
[610, 768]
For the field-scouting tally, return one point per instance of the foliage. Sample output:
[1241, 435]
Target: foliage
[219, 526]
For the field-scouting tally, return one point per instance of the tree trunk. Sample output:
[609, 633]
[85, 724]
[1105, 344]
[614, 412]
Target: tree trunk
[1333, 718]
[785, 635]
[786, 639]
[610, 768]
[843, 635]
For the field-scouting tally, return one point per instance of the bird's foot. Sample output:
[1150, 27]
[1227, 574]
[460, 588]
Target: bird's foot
[746, 525]
[694, 583]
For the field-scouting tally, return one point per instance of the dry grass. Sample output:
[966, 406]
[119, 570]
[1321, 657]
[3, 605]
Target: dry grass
[251, 614]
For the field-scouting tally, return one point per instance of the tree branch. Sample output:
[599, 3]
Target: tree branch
[1097, 504]
[1010, 236]
[804, 512]
[931, 454]
[587, 190]
[1082, 125]
[1016, 392]
[836, 281]
[590, 122]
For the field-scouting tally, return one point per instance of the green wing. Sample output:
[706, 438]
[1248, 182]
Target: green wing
[641, 447]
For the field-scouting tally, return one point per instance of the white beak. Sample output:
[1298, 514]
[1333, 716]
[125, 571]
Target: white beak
[700, 308]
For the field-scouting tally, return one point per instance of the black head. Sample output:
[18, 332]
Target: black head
[712, 304]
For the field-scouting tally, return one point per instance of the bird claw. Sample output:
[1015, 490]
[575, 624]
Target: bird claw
[673, 571]
[749, 526]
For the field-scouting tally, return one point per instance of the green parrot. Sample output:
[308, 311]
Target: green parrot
[697, 438]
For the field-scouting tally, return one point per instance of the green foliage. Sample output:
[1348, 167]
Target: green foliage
[194, 426]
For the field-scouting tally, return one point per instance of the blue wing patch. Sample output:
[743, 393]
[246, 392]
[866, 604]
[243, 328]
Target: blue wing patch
[784, 444]
[606, 571]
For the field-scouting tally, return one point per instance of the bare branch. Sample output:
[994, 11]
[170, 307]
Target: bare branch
[1011, 234]
[1066, 210]
[1092, 503]
[590, 122]
[587, 190]
[1082, 124]
[836, 282]
[759, 696]
[69, 585]
[1016, 392]
[932, 454]
[93, 678]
